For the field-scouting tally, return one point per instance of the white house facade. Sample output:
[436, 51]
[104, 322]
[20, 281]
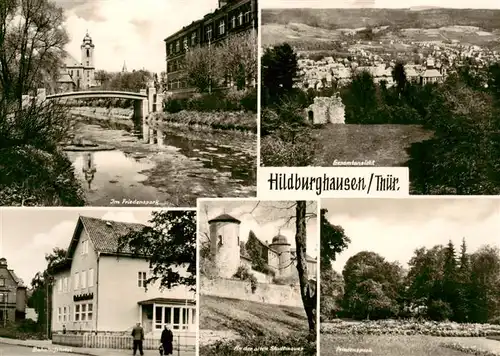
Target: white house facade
[100, 290]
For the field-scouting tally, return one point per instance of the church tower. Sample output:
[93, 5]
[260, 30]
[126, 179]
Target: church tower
[87, 49]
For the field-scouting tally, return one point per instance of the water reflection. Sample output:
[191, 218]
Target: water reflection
[89, 168]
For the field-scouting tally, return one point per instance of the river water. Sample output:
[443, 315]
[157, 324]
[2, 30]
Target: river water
[188, 165]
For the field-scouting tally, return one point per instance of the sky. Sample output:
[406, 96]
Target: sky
[26, 235]
[461, 4]
[130, 31]
[394, 228]
[266, 221]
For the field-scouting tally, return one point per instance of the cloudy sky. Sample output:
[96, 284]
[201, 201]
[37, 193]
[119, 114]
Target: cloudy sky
[394, 228]
[478, 4]
[26, 235]
[266, 221]
[129, 30]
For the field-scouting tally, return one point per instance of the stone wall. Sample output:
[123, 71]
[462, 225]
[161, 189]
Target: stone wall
[326, 110]
[265, 292]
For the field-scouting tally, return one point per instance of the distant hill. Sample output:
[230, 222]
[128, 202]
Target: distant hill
[419, 17]
[250, 318]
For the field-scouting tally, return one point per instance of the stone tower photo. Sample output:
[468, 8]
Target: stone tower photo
[87, 49]
[225, 244]
[282, 247]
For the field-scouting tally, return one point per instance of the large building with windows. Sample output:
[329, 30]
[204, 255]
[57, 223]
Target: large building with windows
[99, 290]
[232, 17]
[75, 75]
[13, 296]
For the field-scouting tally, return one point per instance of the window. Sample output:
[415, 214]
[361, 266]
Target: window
[171, 48]
[209, 33]
[185, 43]
[88, 76]
[88, 63]
[222, 27]
[220, 240]
[177, 46]
[78, 74]
[240, 19]
[65, 314]
[59, 314]
[77, 280]
[83, 312]
[88, 54]
[85, 243]
[141, 280]
[60, 285]
[91, 277]
[193, 39]
[77, 312]
[233, 21]
[247, 16]
[65, 284]
[2, 282]
[176, 318]
[83, 279]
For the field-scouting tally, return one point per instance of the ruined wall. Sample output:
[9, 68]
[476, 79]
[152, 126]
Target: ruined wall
[326, 110]
[265, 293]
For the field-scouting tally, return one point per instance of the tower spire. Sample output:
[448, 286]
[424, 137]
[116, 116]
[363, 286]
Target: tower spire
[124, 68]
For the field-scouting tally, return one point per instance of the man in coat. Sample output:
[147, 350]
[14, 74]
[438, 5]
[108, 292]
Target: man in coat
[167, 338]
[138, 336]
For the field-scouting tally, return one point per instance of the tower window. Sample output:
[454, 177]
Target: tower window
[88, 53]
[220, 240]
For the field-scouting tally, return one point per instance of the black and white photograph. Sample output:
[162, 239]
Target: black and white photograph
[100, 282]
[122, 103]
[412, 276]
[384, 83]
[257, 277]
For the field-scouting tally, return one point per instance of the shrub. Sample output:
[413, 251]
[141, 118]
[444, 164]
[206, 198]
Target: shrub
[276, 152]
[439, 310]
[208, 268]
[245, 275]
[34, 177]
[287, 280]
[173, 105]
[293, 345]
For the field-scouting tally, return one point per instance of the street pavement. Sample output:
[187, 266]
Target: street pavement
[10, 348]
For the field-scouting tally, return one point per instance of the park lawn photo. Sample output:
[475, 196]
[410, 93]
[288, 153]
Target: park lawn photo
[433, 292]
[349, 87]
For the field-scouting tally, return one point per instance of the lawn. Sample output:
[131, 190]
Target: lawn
[384, 144]
[398, 345]
[250, 318]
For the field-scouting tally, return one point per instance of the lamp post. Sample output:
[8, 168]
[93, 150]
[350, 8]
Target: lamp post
[48, 282]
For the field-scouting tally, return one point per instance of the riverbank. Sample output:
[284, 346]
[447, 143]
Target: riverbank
[186, 164]
[231, 121]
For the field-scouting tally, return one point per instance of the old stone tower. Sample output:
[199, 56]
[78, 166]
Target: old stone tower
[225, 244]
[326, 110]
[282, 247]
[87, 51]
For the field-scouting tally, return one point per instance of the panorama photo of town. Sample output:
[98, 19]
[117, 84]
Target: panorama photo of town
[371, 84]
[154, 105]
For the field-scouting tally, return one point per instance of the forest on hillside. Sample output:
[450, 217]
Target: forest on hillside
[397, 18]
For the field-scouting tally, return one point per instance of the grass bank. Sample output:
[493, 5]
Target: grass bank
[263, 329]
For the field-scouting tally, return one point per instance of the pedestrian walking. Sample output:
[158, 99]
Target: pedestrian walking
[167, 338]
[138, 336]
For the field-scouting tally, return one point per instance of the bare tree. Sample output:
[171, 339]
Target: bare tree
[32, 40]
[237, 59]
